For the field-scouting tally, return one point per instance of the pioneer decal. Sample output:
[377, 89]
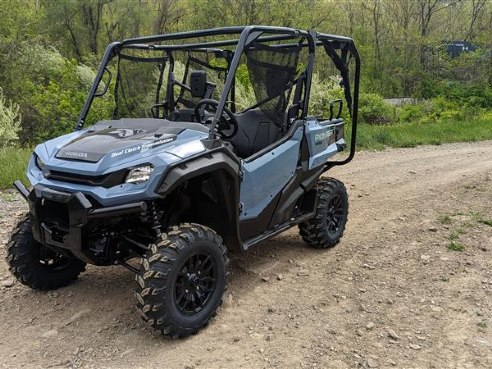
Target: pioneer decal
[323, 138]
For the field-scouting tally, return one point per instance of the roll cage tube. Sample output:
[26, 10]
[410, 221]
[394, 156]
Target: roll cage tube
[109, 54]
[355, 99]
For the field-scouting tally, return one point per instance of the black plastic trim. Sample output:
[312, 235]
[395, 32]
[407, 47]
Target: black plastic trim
[107, 180]
[218, 158]
[252, 227]
[19, 186]
[79, 211]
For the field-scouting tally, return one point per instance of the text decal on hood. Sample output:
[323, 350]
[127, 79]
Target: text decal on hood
[143, 147]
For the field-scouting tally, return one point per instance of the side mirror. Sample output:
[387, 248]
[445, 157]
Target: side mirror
[103, 86]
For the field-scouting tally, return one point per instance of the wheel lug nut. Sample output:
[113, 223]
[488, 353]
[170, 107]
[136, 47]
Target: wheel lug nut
[197, 288]
[187, 291]
[199, 272]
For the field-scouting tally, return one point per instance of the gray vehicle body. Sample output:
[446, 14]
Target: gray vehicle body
[80, 203]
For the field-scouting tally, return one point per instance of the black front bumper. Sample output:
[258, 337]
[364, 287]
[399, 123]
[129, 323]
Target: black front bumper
[59, 219]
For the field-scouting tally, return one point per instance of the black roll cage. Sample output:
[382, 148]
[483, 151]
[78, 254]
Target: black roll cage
[247, 35]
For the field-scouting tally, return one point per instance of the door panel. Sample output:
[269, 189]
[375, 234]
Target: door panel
[264, 177]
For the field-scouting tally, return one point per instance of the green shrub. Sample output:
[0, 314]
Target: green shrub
[441, 109]
[13, 165]
[472, 95]
[323, 91]
[10, 119]
[51, 93]
[428, 87]
[411, 113]
[444, 109]
[374, 110]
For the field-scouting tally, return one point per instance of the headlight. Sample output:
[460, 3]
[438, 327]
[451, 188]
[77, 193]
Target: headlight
[40, 163]
[140, 174]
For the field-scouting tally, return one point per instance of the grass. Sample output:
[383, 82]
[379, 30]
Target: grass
[372, 137]
[13, 165]
[486, 222]
[455, 235]
[444, 219]
[456, 246]
[473, 218]
[482, 326]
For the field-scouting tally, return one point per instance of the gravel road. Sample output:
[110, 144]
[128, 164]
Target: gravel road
[393, 293]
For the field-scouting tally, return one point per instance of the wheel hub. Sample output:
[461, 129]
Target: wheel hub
[193, 280]
[334, 214]
[196, 283]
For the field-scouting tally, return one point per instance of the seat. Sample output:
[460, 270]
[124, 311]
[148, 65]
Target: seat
[255, 132]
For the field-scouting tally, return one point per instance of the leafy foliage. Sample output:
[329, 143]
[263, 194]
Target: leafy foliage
[323, 91]
[9, 121]
[52, 93]
[400, 42]
[374, 110]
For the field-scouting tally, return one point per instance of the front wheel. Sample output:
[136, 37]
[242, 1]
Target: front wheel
[182, 280]
[326, 228]
[36, 265]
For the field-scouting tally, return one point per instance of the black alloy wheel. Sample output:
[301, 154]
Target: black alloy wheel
[335, 214]
[196, 283]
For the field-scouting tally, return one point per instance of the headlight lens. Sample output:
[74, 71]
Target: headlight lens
[40, 163]
[140, 174]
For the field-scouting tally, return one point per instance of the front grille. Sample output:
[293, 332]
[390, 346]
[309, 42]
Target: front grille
[106, 181]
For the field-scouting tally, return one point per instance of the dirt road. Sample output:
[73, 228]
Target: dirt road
[394, 293]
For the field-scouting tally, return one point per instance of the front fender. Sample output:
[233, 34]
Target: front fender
[224, 168]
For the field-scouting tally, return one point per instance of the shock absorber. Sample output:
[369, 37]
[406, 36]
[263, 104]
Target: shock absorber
[154, 219]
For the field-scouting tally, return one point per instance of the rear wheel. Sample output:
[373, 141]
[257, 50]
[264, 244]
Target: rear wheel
[182, 280]
[36, 265]
[326, 228]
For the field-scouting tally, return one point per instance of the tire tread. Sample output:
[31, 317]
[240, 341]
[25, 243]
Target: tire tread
[313, 231]
[20, 265]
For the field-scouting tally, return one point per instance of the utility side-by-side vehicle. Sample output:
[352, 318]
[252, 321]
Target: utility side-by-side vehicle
[209, 146]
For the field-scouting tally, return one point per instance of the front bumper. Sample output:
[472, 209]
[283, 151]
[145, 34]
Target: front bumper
[59, 219]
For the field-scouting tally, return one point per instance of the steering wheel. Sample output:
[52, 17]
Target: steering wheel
[226, 123]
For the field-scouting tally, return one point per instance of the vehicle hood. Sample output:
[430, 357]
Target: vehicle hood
[127, 137]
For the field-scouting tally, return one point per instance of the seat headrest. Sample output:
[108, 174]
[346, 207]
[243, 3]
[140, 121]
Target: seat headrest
[198, 83]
